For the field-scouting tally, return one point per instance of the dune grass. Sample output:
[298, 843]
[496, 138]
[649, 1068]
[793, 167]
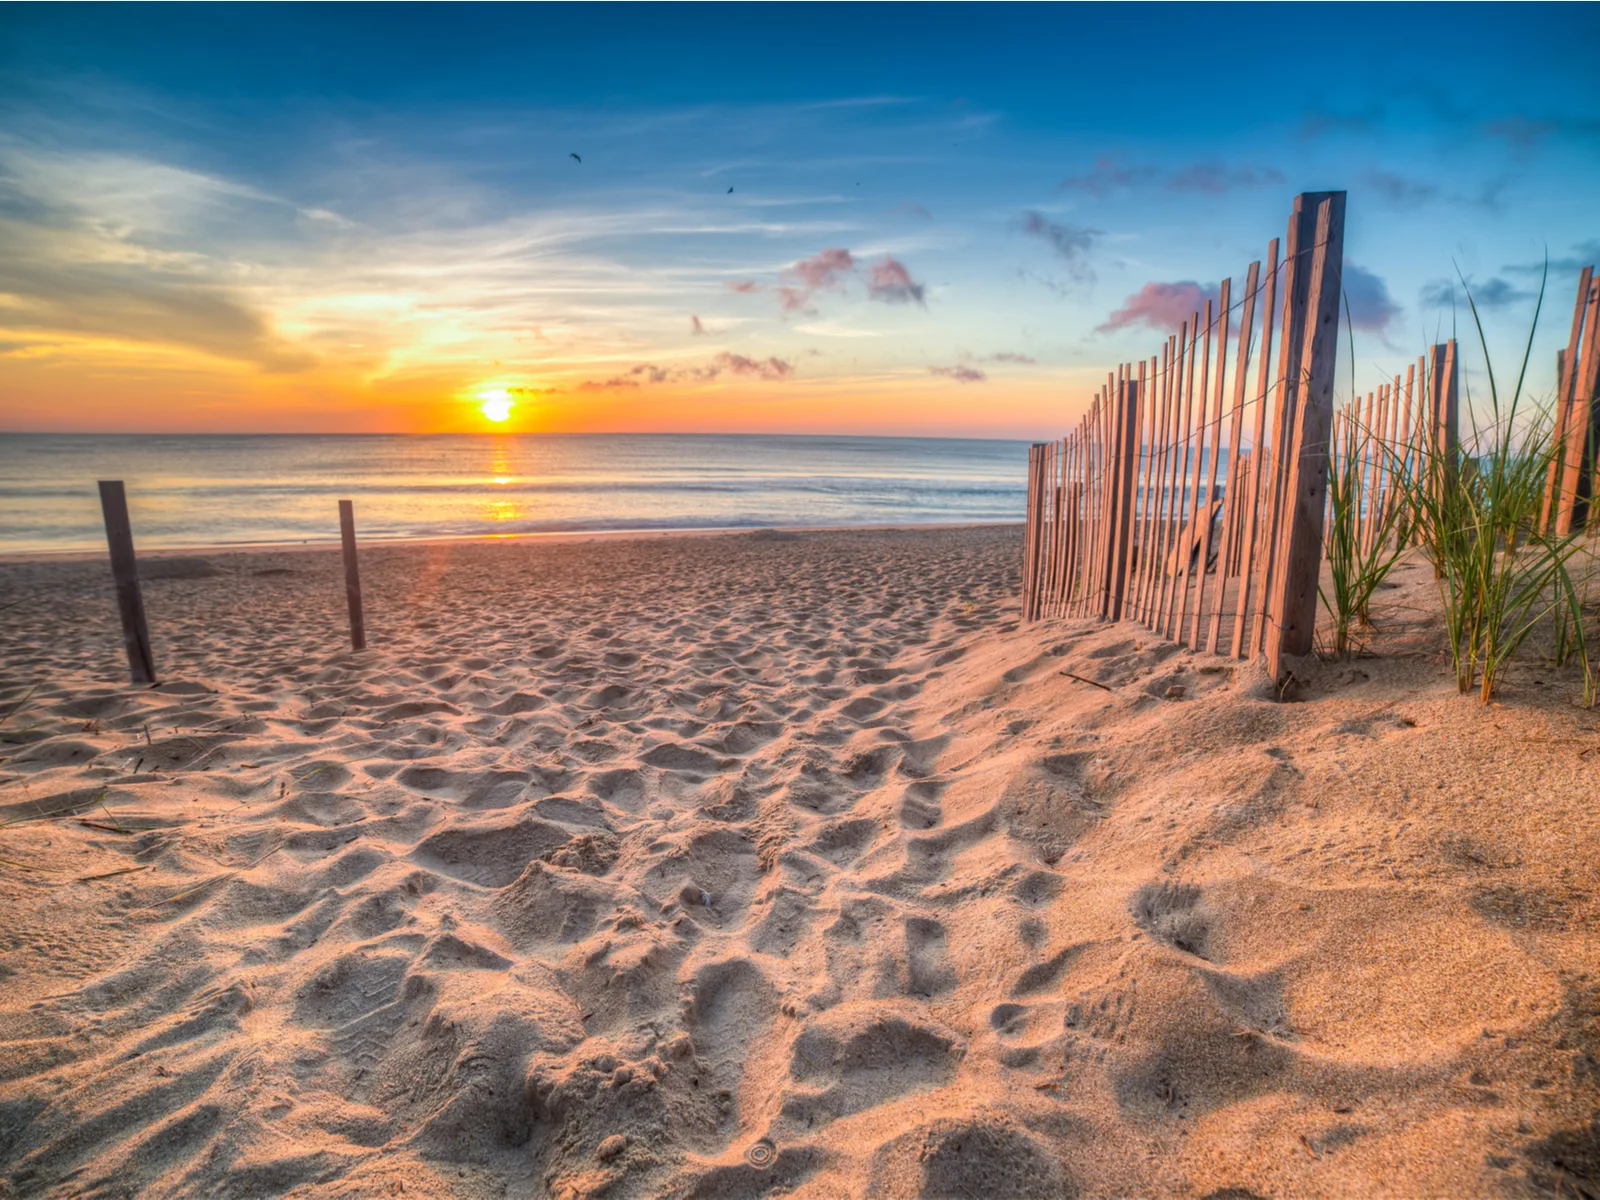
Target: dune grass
[1361, 548]
[1477, 516]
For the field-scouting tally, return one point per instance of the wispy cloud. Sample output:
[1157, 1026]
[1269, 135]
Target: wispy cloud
[1008, 356]
[1402, 192]
[835, 329]
[770, 369]
[95, 247]
[1218, 179]
[959, 374]
[1107, 176]
[1211, 178]
[1528, 133]
[833, 270]
[1584, 254]
[1319, 123]
[1372, 309]
[889, 281]
[1160, 306]
[1492, 293]
[1071, 243]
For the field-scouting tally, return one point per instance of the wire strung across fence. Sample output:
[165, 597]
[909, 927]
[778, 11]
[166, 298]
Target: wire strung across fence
[1123, 511]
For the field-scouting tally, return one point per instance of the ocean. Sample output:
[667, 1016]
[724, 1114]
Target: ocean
[217, 489]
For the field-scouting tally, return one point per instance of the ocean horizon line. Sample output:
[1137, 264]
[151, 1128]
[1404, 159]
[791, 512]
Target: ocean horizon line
[482, 434]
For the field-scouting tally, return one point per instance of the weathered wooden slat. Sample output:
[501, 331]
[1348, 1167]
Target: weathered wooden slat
[1179, 566]
[1198, 439]
[1214, 445]
[1102, 510]
[1589, 410]
[1085, 524]
[1170, 516]
[1158, 451]
[1554, 492]
[1231, 496]
[1049, 562]
[1127, 485]
[1285, 390]
[1132, 607]
[1293, 607]
[1249, 556]
[1377, 456]
[1365, 493]
[1578, 395]
[1091, 489]
[1076, 560]
[1044, 530]
[1074, 518]
[1114, 436]
[1036, 505]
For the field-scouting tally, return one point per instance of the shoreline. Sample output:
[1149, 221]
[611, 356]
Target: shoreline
[554, 537]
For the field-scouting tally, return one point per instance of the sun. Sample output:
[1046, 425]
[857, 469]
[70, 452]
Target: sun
[496, 404]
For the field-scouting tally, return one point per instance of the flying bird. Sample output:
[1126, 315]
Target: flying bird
[730, 191]
[574, 156]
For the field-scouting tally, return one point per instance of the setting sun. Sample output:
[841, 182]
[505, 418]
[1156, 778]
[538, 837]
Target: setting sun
[496, 404]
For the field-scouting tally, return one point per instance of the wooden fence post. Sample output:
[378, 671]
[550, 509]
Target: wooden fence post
[352, 575]
[1446, 406]
[1589, 385]
[1566, 364]
[1292, 626]
[125, 570]
[1579, 449]
[1127, 484]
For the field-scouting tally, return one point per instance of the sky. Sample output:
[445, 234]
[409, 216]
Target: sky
[891, 220]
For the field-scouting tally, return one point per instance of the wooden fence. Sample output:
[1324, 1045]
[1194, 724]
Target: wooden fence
[1196, 506]
[1377, 440]
[1175, 469]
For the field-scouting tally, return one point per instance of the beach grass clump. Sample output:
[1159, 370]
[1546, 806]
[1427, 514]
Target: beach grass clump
[1477, 513]
[1361, 544]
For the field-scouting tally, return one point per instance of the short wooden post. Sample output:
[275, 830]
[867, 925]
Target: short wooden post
[352, 575]
[125, 570]
[1293, 611]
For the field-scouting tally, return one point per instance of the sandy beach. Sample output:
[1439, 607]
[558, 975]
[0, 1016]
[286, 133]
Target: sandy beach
[781, 863]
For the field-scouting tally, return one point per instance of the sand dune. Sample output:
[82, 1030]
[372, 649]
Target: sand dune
[755, 865]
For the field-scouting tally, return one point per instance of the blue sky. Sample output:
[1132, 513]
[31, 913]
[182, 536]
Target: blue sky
[943, 219]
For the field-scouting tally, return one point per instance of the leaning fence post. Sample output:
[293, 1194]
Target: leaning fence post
[1293, 595]
[352, 575]
[125, 570]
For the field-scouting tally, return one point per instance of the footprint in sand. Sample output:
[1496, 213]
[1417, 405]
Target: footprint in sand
[858, 1056]
[1172, 913]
